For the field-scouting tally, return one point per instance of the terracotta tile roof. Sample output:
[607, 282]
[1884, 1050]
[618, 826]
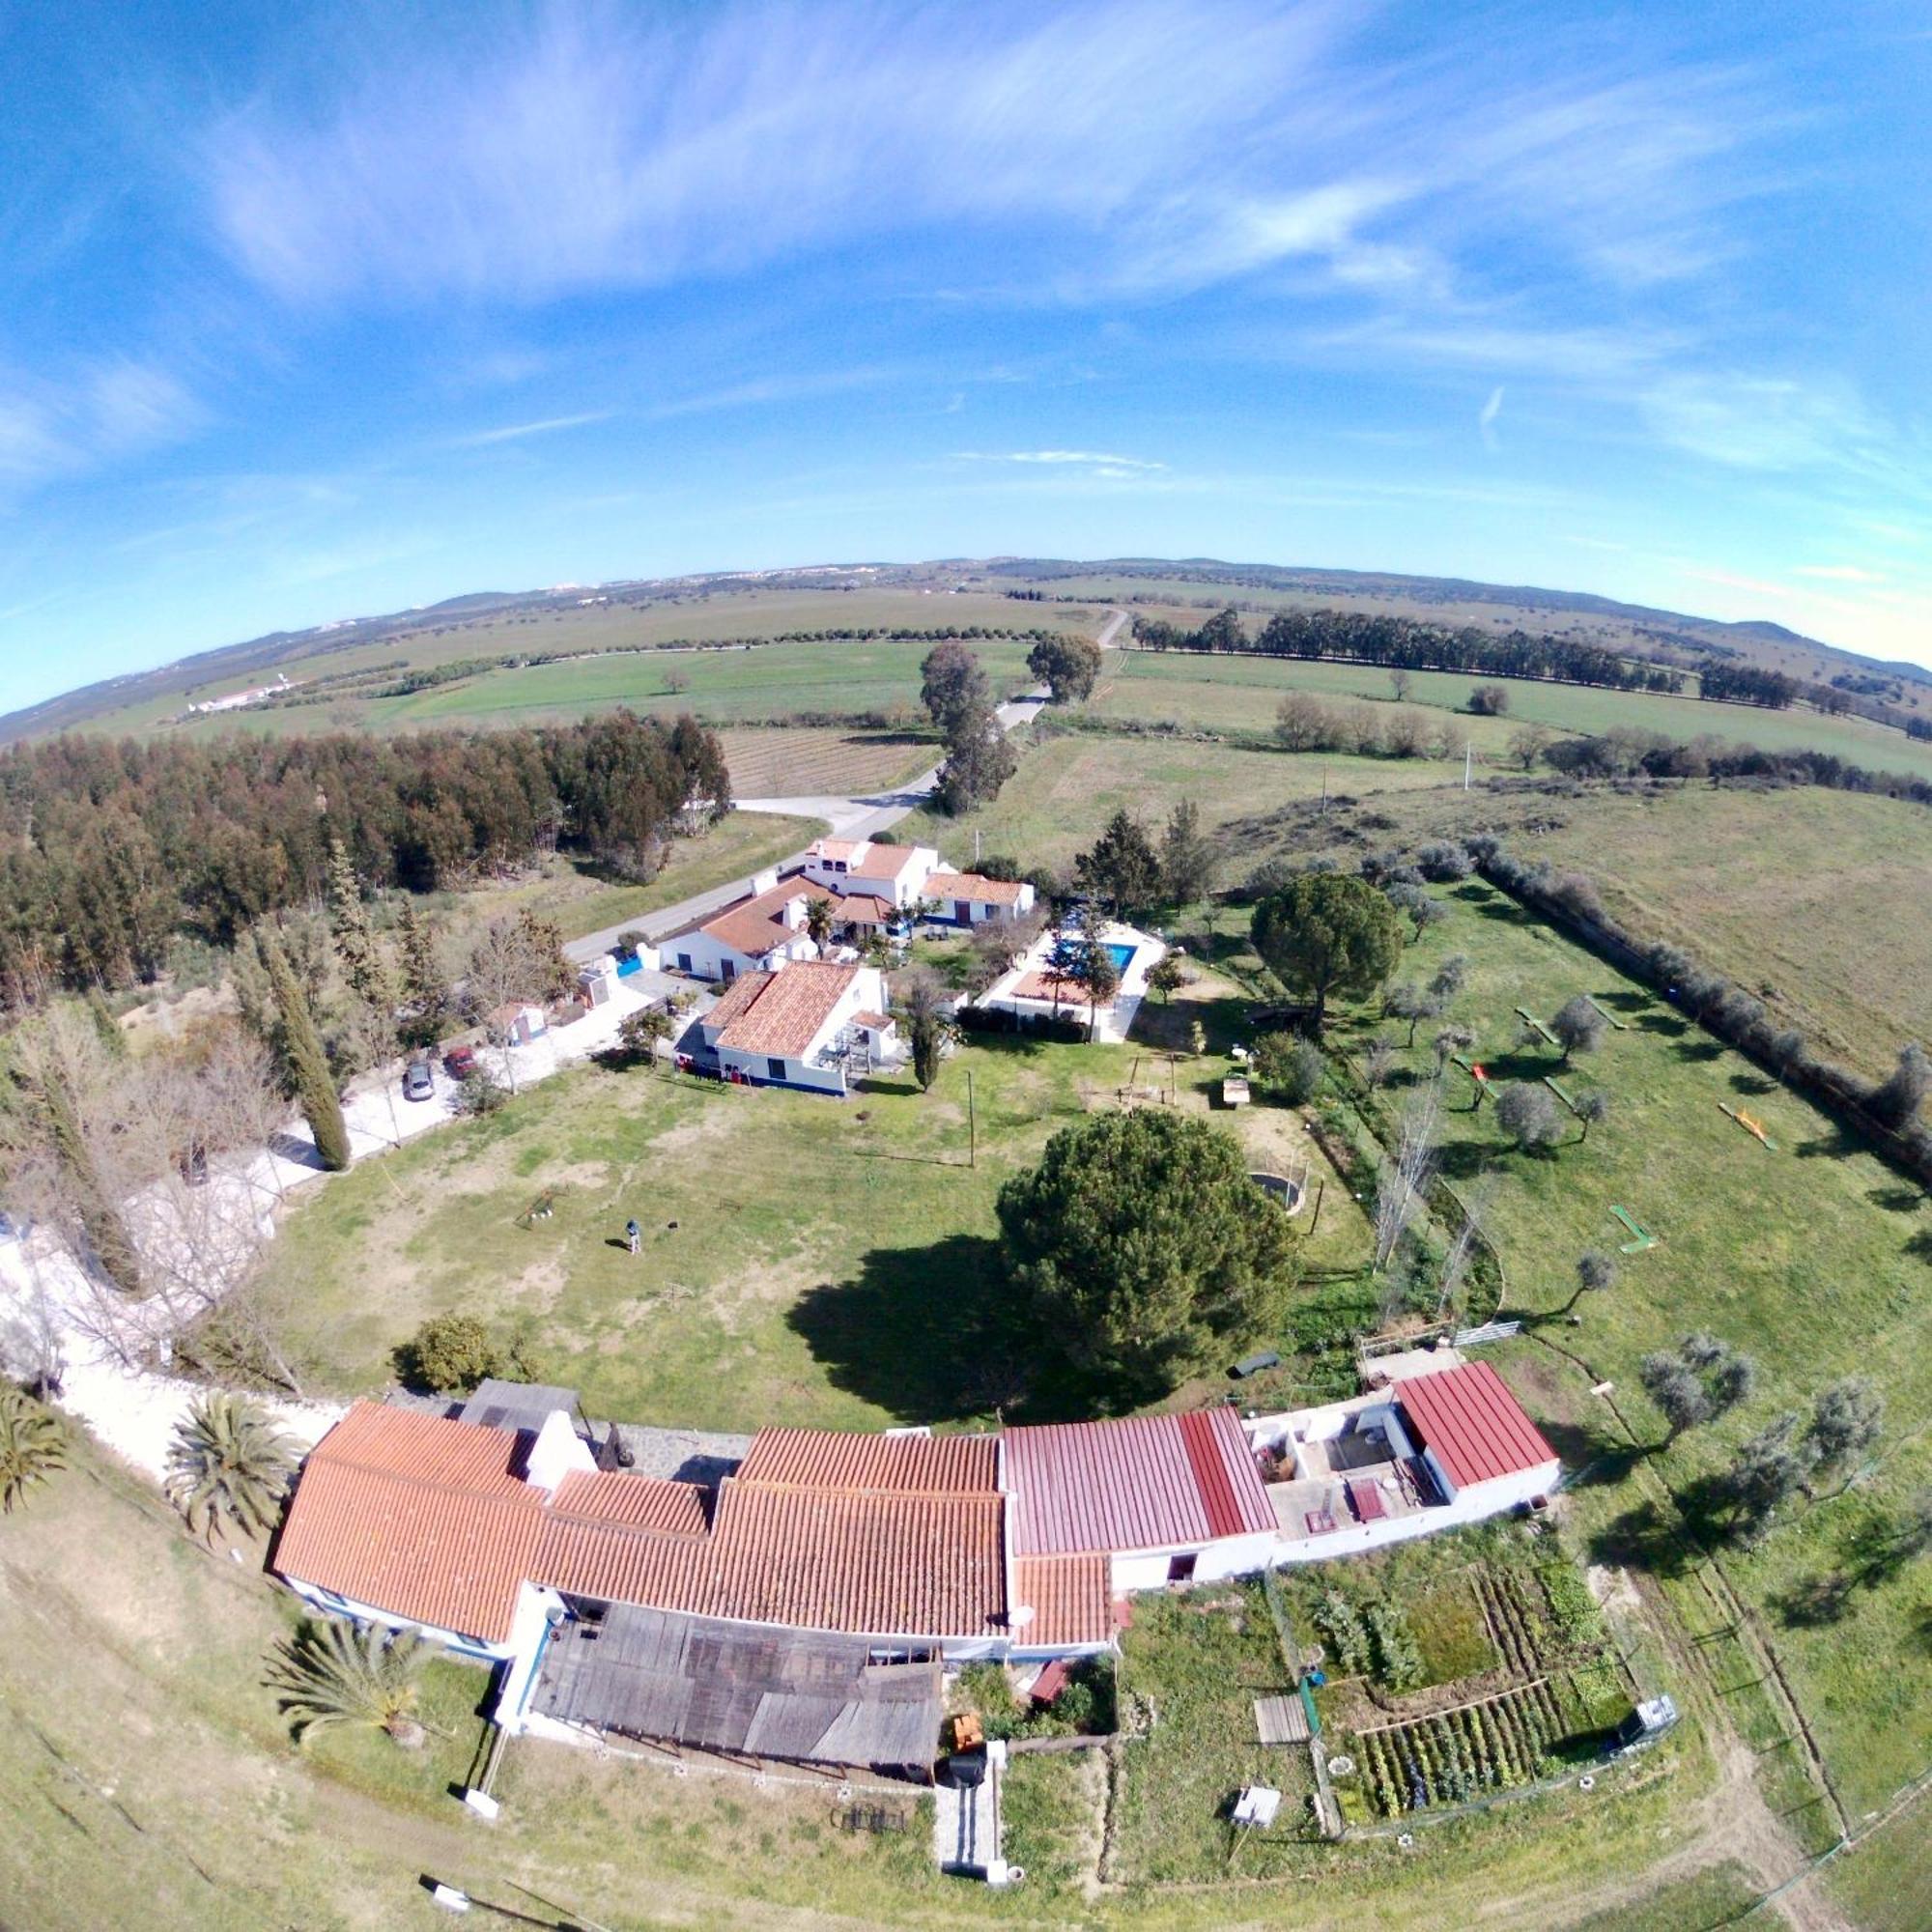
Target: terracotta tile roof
[833, 1459]
[1472, 1422]
[866, 909]
[880, 1565]
[638, 1502]
[973, 886]
[1068, 1595]
[1038, 984]
[878, 1022]
[881, 861]
[870, 1564]
[787, 1011]
[838, 848]
[418, 1515]
[733, 1001]
[754, 925]
[1155, 1482]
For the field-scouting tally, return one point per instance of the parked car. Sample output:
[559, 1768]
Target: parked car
[419, 1082]
[460, 1062]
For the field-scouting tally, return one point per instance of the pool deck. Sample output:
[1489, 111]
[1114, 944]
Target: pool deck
[1029, 988]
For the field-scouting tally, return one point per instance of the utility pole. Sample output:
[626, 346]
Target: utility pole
[976, 844]
[971, 1125]
[1468, 760]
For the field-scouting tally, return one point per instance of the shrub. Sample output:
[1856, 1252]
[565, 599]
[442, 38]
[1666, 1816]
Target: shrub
[1528, 1115]
[449, 1354]
[1490, 700]
[1445, 860]
[1290, 1069]
[1339, 1622]
[1398, 1660]
[478, 1093]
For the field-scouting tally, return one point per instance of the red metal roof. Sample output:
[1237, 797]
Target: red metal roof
[1153, 1481]
[834, 1459]
[1475, 1425]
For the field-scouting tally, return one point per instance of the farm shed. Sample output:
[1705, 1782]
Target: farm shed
[722, 1686]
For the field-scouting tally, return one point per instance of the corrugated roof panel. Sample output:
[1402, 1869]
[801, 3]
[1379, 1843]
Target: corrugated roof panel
[1151, 1482]
[1475, 1425]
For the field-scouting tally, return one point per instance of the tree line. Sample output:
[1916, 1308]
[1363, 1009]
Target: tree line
[1408, 644]
[110, 850]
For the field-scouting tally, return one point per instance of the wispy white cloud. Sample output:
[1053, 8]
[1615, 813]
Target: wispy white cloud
[1087, 458]
[1839, 573]
[1750, 421]
[583, 147]
[517, 432]
[1486, 418]
[67, 424]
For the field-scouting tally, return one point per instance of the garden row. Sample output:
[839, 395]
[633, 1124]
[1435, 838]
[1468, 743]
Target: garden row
[1493, 1745]
[1533, 1621]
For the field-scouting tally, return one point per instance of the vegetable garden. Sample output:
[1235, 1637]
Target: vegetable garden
[1477, 1664]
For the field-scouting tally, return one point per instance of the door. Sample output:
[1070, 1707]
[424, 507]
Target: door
[730, 969]
[962, 911]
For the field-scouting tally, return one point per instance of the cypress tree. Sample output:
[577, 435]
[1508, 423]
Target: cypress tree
[99, 1219]
[424, 985]
[301, 1052]
[356, 943]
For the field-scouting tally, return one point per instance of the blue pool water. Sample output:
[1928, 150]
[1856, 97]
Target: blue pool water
[1121, 955]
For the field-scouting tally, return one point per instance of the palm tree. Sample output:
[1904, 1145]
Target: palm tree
[331, 1673]
[33, 1444]
[229, 1465]
[818, 922]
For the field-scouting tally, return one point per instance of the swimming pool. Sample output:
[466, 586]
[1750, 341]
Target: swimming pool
[1121, 955]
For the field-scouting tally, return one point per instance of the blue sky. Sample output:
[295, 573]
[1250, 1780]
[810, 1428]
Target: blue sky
[306, 316]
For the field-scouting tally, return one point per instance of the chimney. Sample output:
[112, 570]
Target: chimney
[557, 1450]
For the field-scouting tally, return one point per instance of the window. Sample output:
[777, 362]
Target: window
[775, 1069]
[1180, 1569]
[684, 962]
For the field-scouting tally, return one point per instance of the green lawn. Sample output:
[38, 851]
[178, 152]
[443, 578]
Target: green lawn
[1816, 1259]
[1236, 693]
[804, 1261]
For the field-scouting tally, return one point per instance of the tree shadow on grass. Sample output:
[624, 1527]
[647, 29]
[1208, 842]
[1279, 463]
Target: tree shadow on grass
[1919, 1247]
[933, 1334]
[1664, 1023]
[1592, 1459]
[1895, 1200]
[1475, 892]
[1752, 1083]
[1837, 1144]
[1700, 1050]
[1623, 999]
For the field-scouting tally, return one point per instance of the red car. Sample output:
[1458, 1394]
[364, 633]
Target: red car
[460, 1062]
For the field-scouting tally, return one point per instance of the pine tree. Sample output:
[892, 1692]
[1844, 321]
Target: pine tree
[306, 1064]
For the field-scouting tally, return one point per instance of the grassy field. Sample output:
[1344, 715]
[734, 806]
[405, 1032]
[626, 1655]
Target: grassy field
[803, 1262]
[1816, 1259]
[1069, 786]
[1241, 693]
[1816, 901]
[722, 614]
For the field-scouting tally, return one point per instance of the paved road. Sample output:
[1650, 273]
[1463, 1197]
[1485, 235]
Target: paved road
[856, 817]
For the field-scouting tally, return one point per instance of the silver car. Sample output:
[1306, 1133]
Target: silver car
[418, 1083]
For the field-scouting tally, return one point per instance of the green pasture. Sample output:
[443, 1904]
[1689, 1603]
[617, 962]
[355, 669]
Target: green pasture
[1239, 692]
[1816, 1259]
